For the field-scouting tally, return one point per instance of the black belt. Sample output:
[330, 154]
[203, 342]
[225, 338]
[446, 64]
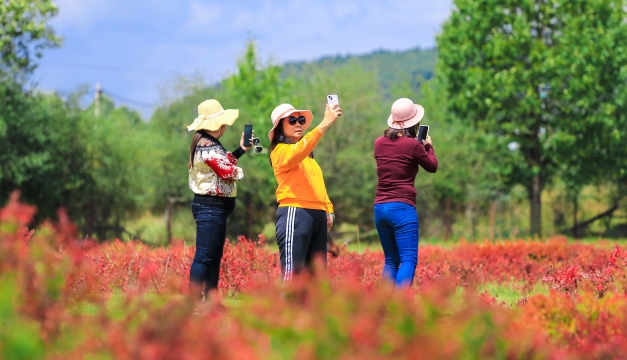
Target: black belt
[217, 201]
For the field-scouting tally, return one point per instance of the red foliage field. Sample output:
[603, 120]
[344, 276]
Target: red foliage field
[63, 297]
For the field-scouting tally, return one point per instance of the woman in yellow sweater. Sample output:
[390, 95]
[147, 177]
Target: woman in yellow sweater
[305, 214]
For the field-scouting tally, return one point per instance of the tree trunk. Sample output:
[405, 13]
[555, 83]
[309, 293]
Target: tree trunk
[168, 217]
[447, 218]
[249, 216]
[492, 217]
[608, 224]
[535, 205]
[471, 218]
[168, 222]
[90, 220]
[575, 227]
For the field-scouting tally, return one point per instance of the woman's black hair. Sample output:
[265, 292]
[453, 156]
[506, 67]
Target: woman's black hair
[394, 134]
[279, 138]
[197, 136]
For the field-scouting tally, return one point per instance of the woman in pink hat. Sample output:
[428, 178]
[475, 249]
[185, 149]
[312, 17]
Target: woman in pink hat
[399, 155]
[305, 214]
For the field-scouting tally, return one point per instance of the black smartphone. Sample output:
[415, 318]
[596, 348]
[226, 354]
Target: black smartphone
[423, 131]
[248, 133]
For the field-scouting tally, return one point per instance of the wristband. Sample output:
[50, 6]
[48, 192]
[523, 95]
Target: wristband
[332, 215]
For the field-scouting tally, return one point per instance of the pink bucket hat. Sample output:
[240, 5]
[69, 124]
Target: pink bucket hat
[285, 110]
[405, 114]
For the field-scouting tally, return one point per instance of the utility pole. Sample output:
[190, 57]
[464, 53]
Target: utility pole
[97, 100]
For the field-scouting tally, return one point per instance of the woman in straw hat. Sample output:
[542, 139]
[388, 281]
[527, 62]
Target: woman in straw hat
[213, 177]
[305, 213]
[399, 154]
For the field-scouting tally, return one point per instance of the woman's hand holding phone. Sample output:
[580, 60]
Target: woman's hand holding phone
[331, 113]
[241, 141]
[427, 141]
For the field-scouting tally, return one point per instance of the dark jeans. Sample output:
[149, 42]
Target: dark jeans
[301, 235]
[397, 225]
[210, 237]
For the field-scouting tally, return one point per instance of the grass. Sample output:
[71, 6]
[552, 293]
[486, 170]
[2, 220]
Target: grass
[375, 245]
[151, 228]
[510, 292]
[600, 242]
[232, 302]
[363, 247]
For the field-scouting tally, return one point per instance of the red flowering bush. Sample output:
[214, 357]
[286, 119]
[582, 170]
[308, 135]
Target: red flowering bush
[69, 298]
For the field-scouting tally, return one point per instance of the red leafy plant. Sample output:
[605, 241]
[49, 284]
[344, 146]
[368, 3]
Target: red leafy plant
[126, 300]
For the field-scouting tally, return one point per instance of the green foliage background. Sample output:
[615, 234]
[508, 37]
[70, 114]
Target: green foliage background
[115, 172]
[541, 75]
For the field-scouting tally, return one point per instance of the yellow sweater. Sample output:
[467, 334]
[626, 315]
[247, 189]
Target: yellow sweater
[299, 178]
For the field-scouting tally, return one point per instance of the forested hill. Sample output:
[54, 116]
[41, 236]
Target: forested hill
[391, 67]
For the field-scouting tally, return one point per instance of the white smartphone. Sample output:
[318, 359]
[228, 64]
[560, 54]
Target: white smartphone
[332, 100]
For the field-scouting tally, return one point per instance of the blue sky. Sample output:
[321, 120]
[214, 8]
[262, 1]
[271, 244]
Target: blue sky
[136, 49]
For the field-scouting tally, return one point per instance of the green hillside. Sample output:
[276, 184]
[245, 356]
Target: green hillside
[391, 67]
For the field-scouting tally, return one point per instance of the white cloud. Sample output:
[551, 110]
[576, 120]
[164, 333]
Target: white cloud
[343, 26]
[209, 35]
[85, 15]
[201, 17]
[81, 14]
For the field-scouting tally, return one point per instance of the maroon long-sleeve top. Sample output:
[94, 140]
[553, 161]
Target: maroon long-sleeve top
[397, 167]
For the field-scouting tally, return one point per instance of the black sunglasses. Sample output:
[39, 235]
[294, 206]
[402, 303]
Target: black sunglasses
[293, 119]
[256, 142]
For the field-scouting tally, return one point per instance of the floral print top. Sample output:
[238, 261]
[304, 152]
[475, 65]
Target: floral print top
[214, 170]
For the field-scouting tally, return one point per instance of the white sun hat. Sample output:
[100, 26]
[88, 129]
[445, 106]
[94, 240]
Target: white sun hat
[285, 110]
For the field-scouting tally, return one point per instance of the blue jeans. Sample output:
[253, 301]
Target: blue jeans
[397, 225]
[210, 237]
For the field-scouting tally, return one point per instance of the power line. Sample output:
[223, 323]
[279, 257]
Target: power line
[102, 91]
[111, 68]
[122, 98]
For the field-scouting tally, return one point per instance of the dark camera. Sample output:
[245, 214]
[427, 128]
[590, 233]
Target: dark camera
[256, 142]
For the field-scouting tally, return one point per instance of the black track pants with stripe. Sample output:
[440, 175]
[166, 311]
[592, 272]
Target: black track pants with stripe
[302, 236]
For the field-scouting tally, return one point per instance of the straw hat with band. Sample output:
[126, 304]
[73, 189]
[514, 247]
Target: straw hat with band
[405, 114]
[285, 110]
[211, 116]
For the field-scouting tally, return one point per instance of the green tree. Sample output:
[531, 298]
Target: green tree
[536, 74]
[256, 90]
[27, 152]
[168, 128]
[24, 33]
[58, 155]
[467, 177]
[389, 67]
[346, 152]
[42, 152]
[122, 158]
